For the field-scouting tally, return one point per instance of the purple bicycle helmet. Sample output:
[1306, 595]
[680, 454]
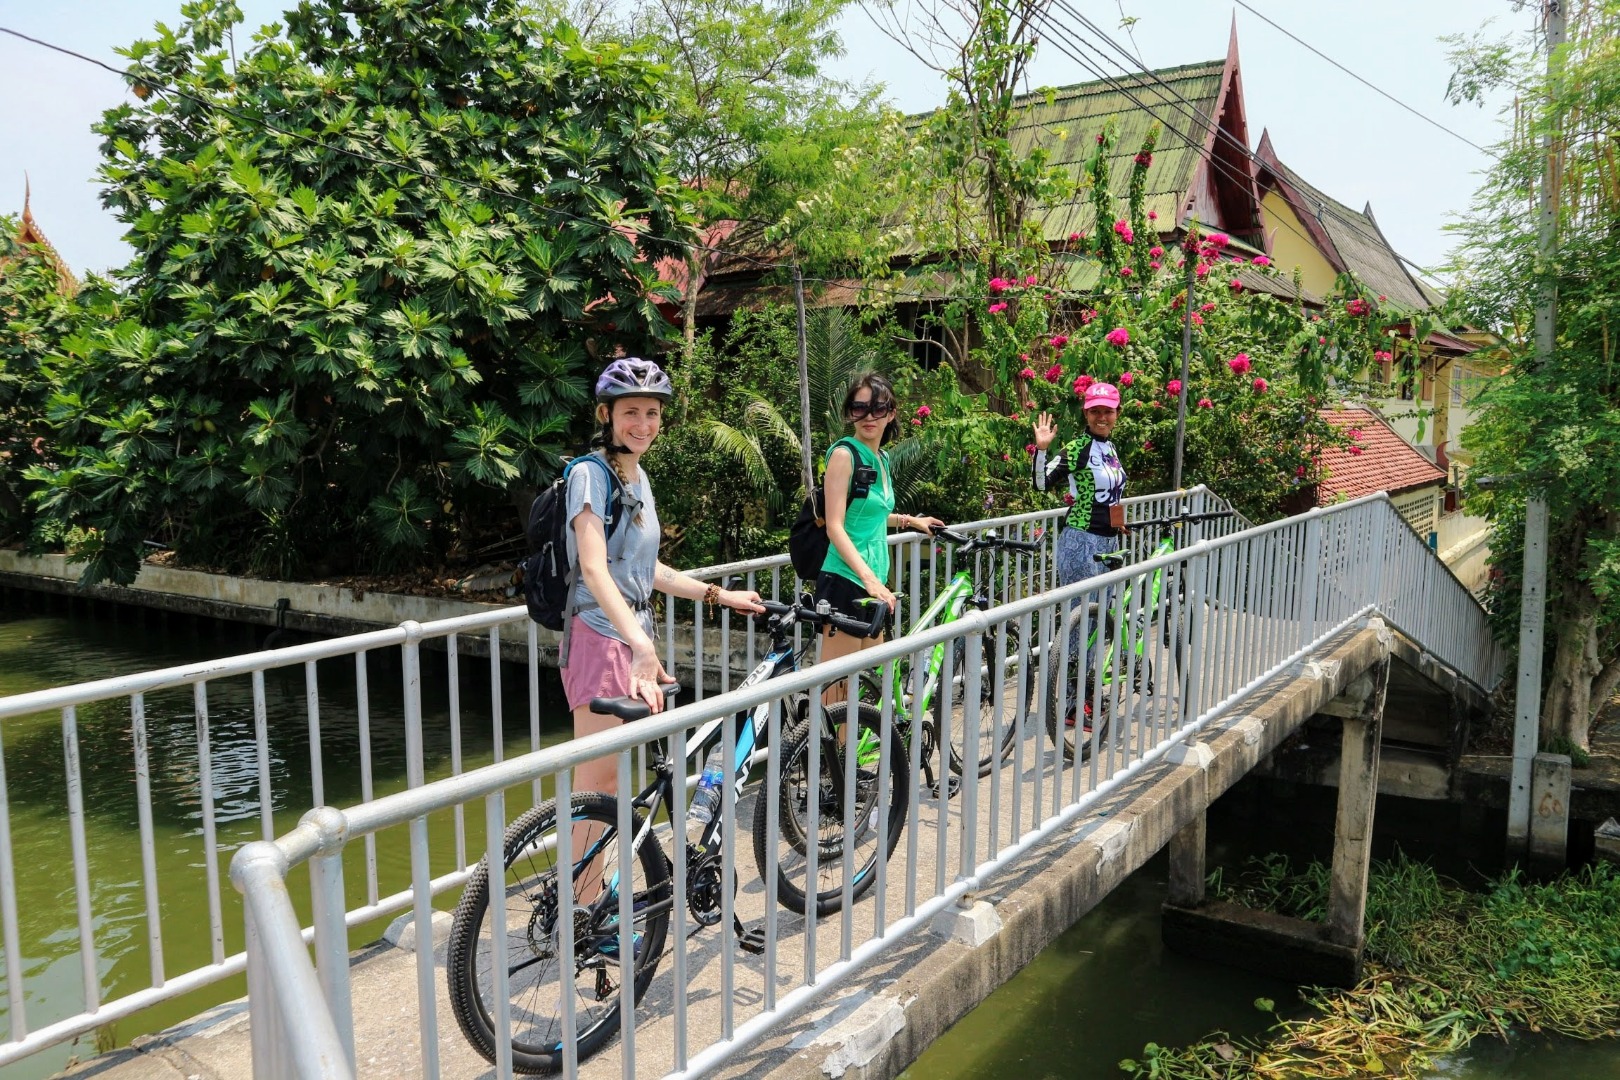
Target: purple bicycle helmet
[630, 376]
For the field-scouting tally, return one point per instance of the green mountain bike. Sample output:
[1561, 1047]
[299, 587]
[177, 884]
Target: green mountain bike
[1116, 665]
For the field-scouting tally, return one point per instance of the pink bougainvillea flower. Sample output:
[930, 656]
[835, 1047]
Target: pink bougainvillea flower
[1119, 337]
[1153, 264]
[1383, 357]
[1127, 378]
[998, 284]
[1355, 451]
[1029, 404]
[1357, 306]
[1030, 280]
[997, 309]
[924, 410]
[1381, 298]
[1147, 445]
[1024, 356]
[1260, 260]
[1054, 373]
[1218, 240]
[1205, 403]
[1125, 271]
[1068, 498]
[1155, 252]
[1207, 307]
[1099, 138]
[1029, 448]
[1316, 318]
[1203, 270]
[1082, 383]
[1355, 434]
[1197, 319]
[1300, 471]
[1153, 215]
[1006, 457]
[1073, 237]
[916, 422]
[1027, 373]
[1236, 285]
[1321, 341]
[1060, 340]
[1122, 226]
[1261, 386]
[1017, 416]
[1157, 404]
[1087, 315]
[1173, 387]
[1239, 363]
[1144, 159]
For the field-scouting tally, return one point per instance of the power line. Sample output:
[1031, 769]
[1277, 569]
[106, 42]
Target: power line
[1377, 89]
[1187, 108]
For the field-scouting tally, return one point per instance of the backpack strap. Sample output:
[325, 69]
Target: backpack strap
[821, 496]
[610, 524]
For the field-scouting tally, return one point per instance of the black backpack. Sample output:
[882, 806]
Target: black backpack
[548, 576]
[807, 541]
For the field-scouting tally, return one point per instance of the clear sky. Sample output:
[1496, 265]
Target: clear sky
[1335, 132]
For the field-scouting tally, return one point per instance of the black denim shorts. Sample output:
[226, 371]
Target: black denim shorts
[844, 595]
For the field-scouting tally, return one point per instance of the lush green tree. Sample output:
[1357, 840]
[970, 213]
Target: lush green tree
[369, 253]
[35, 315]
[1551, 426]
[756, 126]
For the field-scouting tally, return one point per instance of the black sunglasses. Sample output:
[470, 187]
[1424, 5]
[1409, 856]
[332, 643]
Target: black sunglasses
[877, 410]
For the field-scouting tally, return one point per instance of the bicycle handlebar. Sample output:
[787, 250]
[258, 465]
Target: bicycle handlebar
[986, 540]
[1183, 519]
[823, 615]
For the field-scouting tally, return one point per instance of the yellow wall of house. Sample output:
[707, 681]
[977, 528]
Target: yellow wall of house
[1290, 246]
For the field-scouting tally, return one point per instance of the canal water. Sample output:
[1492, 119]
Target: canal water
[1097, 995]
[1108, 986]
[42, 647]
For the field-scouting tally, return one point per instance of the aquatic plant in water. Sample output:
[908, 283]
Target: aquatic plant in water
[1444, 966]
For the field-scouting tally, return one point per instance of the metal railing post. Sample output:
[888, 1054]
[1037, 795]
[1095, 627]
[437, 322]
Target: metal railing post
[331, 930]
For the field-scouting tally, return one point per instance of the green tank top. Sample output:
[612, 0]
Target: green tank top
[866, 520]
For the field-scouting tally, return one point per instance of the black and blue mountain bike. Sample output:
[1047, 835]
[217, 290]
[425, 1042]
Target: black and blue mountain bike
[530, 895]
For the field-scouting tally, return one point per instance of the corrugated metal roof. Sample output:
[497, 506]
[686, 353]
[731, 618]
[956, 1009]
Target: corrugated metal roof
[1359, 243]
[1067, 121]
[1386, 462]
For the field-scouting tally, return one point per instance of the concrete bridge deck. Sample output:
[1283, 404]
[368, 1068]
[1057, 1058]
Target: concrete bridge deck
[897, 1005]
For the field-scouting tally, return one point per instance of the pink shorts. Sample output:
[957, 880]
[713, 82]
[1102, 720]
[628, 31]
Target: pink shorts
[598, 666]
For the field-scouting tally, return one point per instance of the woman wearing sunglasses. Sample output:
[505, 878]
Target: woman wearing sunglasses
[860, 509]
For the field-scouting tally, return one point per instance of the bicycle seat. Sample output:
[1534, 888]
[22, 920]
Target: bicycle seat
[632, 708]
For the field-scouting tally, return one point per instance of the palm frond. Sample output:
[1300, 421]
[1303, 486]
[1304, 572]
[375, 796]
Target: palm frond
[743, 448]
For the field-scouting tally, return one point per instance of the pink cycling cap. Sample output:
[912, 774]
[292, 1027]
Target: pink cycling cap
[1102, 394]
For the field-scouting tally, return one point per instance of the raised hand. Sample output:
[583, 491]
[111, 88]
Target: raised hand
[1045, 430]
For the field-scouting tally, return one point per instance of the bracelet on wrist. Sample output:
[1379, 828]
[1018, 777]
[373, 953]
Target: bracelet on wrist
[711, 597]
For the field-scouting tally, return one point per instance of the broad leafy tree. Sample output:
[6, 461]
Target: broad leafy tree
[1552, 425]
[370, 252]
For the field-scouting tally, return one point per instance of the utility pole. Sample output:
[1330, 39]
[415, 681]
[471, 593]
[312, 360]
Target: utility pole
[804, 388]
[1186, 356]
[1533, 598]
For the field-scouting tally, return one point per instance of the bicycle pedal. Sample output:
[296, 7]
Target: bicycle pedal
[953, 787]
[751, 941]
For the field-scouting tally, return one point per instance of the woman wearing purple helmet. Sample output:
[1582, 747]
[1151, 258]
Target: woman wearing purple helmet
[611, 652]
[1096, 484]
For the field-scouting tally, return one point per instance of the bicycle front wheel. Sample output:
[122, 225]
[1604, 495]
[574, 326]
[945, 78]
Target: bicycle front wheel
[877, 828]
[997, 712]
[1081, 702]
[527, 901]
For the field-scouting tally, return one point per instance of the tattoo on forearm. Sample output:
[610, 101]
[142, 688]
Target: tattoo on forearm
[666, 574]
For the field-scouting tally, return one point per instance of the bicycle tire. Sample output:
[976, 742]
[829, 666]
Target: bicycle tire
[792, 842]
[1061, 724]
[532, 939]
[991, 749]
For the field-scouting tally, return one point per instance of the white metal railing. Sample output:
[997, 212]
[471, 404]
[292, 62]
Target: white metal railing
[1237, 611]
[709, 649]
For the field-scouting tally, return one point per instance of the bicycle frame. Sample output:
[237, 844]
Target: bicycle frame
[947, 607]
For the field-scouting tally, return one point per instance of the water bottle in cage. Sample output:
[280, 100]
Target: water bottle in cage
[706, 799]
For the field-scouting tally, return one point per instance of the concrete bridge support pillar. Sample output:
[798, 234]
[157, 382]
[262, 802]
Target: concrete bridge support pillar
[1327, 953]
[1358, 795]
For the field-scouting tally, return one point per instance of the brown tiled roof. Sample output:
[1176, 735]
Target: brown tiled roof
[1386, 462]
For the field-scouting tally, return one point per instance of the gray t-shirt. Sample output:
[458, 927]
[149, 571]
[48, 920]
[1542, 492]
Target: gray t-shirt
[632, 548]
